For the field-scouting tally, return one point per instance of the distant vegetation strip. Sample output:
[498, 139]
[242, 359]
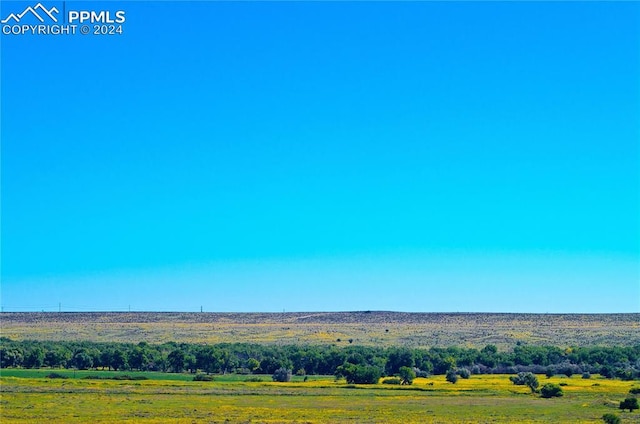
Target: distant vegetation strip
[242, 358]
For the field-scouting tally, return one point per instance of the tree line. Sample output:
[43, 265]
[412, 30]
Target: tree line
[611, 362]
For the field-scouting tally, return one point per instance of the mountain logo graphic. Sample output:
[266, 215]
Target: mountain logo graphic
[38, 11]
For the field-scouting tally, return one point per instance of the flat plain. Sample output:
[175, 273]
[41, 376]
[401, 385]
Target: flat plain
[480, 399]
[28, 396]
[375, 328]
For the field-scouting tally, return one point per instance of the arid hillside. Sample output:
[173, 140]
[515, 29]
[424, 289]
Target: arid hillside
[340, 328]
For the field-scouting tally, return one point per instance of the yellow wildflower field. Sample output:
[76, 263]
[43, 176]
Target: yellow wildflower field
[479, 399]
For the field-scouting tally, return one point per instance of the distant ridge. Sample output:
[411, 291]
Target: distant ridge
[382, 328]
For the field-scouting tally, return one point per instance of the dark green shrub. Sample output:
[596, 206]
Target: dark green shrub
[586, 375]
[128, 377]
[452, 376]
[115, 377]
[56, 375]
[203, 377]
[464, 373]
[611, 419]
[392, 380]
[254, 380]
[551, 390]
[634, 390]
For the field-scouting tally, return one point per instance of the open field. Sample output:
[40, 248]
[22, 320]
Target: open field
[364, 328]
[154, 375]
[486, 398]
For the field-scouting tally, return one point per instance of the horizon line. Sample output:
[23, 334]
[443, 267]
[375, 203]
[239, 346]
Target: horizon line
[308, 312]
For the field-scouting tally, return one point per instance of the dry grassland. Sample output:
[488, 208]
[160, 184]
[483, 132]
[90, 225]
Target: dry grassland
[362, 328]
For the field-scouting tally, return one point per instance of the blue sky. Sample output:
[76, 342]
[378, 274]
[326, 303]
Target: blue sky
[261, 156]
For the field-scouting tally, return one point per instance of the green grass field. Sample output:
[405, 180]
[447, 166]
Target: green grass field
[29, 398]
[78, 374]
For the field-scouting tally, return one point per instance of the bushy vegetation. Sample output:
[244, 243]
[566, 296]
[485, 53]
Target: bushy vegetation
[452, 376]
[282, 375]
[611, 362]
[203, 377]
[551, 390]
[611, 419]
[115, 377]
[525, 379]
[629, 403]
[464, 372]
[359, 374]
[56, 375]
[407, 375]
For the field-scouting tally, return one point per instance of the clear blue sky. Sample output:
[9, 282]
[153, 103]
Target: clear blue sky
[417, 156]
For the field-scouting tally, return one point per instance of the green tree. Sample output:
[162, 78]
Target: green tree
[10, 357]
[269, 365]
[406, 375]
[208, 359]
[34, 358]
[359, 374]
[176, 360]
[190, 362]
[118, 359]
[629, 403]
[397, 358]
[525, 379]
[139, 358]
[228, 362]
[82, 360]
[57, 357]
[105, 358]
[488, 356]
[489, 350]
[253, 364]
[452, 376]
[464, 372]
